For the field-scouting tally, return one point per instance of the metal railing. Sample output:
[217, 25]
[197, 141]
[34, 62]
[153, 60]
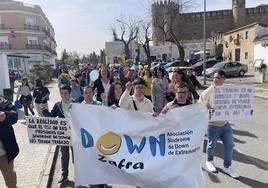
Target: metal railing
[5, 46]
[31, 27]
[33, 46]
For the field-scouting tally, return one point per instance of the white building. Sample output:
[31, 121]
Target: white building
[261, 57]
[116, 48]
[169, 52]
[190, 47]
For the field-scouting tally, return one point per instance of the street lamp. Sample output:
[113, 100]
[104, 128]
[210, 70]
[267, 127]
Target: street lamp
[204, 37]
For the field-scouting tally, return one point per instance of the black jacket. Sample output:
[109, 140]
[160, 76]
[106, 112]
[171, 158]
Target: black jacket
[100, 89]
[7, 135]
[55, 112]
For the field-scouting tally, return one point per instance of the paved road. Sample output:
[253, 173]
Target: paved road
[250, 155]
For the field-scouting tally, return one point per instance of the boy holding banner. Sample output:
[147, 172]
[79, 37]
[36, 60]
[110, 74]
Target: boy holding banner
[61, 110]
[218, 130]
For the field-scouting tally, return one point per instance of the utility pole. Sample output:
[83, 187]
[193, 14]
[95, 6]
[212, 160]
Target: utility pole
[205, 50]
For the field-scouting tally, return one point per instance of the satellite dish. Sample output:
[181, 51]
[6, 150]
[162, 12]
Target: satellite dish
[94, 75]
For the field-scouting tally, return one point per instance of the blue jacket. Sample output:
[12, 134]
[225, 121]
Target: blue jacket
[7, 135]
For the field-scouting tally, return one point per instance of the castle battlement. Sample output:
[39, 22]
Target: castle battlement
[164, 4]
[221, 14]
[217, 20]
[261, 10]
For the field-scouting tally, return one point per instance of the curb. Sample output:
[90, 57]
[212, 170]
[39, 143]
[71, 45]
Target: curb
[261, 97]
[52, 166]
[47, 168]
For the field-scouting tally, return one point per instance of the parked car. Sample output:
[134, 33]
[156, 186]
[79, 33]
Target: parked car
[198, 67]
[176, 63]
[230, 68]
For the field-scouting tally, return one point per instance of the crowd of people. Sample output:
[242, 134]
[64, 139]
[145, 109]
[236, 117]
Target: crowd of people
[118, 87]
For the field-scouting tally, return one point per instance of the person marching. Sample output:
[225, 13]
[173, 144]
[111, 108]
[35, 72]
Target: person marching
[218, 130]
[24, 96]
[62, 110]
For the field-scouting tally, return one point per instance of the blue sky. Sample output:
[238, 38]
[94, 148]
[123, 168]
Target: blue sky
[84, 25]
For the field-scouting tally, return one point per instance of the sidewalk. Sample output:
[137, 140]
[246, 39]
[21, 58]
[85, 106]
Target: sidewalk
[34, 161]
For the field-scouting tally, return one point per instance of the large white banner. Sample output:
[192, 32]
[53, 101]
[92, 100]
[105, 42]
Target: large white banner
[118, 146]
[233, 102]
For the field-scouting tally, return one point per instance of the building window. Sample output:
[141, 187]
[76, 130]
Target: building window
[30, 21]
[4, 42]
[246, 55]
[230, 38]
[246, 35]
[32, 43]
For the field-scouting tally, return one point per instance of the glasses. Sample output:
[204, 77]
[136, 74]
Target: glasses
[220, 78]
[182, 92]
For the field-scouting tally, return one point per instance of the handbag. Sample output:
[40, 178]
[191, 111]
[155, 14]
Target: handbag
[18, 104]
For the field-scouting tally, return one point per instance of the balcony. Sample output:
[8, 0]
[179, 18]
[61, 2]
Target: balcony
[47, 33]
[33, 46]
[31, 27]
[4, 45]
[2, 26]
[237, 41]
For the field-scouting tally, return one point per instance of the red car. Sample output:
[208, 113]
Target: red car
[198, 67]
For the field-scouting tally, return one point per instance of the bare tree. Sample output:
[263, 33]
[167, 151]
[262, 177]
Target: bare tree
[145, 39]
[171, 23]
[126, 32]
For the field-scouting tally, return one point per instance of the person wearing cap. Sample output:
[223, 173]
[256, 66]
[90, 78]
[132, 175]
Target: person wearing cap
[137, 101]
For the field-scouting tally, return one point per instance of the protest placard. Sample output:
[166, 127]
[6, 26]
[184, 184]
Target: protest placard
[44, 130]
[232, 102]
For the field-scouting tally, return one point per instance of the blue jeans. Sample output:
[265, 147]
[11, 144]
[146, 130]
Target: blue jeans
[225, 133]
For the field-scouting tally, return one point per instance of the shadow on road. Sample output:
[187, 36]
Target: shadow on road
[236, 140]
[252, 183]
[244, 133]
[240, 157]
[212, 176]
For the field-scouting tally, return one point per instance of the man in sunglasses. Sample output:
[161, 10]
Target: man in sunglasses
[218, 130]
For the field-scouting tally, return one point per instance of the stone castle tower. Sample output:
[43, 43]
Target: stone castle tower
[189, 26]
[239, 13]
